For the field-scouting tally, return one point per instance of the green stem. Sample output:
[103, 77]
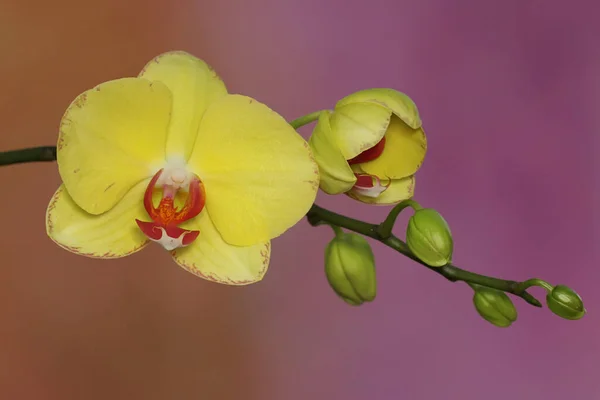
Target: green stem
[337, 230]
[33, 154]
[385, 228]
[306, 119]
[536, 282]
[318, 215]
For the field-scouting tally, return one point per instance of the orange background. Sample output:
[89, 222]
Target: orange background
[78, 328]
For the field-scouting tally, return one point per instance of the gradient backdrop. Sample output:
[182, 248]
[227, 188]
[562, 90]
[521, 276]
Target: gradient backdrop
[509, 93]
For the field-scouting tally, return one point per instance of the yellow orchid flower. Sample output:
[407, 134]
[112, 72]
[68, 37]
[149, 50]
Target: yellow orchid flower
[171, 157]
[370, 146]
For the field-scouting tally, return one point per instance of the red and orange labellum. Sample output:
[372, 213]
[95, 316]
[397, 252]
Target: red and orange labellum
[369, 185]
[369, 154]
[165, 217]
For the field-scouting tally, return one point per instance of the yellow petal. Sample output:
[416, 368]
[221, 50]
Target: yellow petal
[113, 234]
[336, 175]
[210, 257]
[400, 189]
[357, 127]
[194, 85]
[112, 137]
[259, 173]
[403, 153]
[400, 104]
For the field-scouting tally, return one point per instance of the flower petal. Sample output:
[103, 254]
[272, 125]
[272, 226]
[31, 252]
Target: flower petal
[400, 189]
[259, 173]
[400, 104]
[357, 127]
[211, 258]
[336, 175]
[112, 137]
[113, 234]
[194, 85]
[403, 154]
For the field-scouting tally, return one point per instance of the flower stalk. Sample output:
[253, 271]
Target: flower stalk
[320, 216]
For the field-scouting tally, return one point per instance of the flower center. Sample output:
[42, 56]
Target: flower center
[166, 216]
[369, 185]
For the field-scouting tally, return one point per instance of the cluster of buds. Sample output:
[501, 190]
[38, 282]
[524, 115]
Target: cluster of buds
[496, 307]
[369, 147]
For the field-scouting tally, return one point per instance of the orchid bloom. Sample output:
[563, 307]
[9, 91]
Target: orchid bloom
[370, 146]
[170, 157]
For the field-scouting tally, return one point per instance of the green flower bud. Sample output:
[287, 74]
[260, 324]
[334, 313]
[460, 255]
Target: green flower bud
[564, 302]
[350, 268]
[428, 237]
[494, 306]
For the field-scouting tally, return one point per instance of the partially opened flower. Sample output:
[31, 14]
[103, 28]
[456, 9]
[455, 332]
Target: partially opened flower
[370, 146]
[171, 157]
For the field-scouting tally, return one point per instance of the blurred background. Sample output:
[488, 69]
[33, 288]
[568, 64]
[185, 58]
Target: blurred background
[508, 92]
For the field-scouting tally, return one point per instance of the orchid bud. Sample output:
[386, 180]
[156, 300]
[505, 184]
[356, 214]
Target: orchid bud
[564, 302]
[350, 268]
[494, 306]
[428, 237]
[370, 146]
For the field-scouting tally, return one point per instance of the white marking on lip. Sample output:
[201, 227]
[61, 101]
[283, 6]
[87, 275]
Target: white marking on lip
[169, 243]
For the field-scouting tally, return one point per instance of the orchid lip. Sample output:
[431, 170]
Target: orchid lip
[369, 154]
[166, 216]
[369, 185]
[170, 237]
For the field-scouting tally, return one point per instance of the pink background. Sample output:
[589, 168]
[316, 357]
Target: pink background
[509, 94]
